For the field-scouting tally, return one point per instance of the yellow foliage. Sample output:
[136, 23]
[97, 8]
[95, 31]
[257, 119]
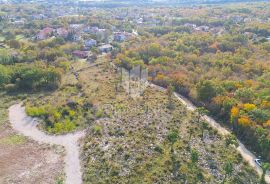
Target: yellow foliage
[249, 83]
[249, 107]
[265, 104]
[244, 121]
[234, 112]
[238, 85]
[267, 124]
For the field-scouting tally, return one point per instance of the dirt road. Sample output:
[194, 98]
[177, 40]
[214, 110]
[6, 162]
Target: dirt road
[28, 127]
[246, 154]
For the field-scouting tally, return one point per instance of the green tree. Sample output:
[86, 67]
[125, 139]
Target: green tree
[265, 168]
[194, 156]
[4, 75]
[170, 90]
[172, 138]
[228, 168]
[200, 112]
[206, 91]
[245, 94]
[14, 44]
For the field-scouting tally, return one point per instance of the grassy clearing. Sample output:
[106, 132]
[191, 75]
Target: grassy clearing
[13, 140]
[71, 107]
[19, 37]
[2, 38]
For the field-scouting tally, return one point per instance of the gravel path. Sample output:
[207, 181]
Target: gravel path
[246, 154]
[28, 127]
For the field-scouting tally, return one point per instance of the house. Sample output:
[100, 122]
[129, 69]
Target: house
[202, 29]
[77, 37]
[76, 27]
[105, 48]
[18, 22]
[237, 19]
[38, 17]
[80, 54]
[251, 35]
[90, 43]
[45, 33]
[87, 29]
[61, 32]
[192, 26]
[139, 21]
[119, 36]
[217, 30]
[99, 33]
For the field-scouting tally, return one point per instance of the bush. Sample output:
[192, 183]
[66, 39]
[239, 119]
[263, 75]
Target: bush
[97, 130]
[99, 113]
[35, 111]
[231, 140]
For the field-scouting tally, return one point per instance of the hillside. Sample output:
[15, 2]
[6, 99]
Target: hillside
[142, 140]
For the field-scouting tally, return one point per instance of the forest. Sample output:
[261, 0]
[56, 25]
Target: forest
[228, 73]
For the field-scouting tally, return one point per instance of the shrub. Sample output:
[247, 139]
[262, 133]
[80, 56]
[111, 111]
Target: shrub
[99, 113]
[97, 129]
[35, 111]
[231, 140]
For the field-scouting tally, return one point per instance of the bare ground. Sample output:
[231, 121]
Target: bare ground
[23, 161]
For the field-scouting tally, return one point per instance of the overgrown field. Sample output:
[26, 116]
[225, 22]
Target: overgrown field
[142, 140]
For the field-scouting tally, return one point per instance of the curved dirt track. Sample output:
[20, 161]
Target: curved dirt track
[246, 154]
[28, 127]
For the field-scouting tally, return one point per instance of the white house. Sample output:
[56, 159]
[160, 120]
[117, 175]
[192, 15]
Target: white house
[90, 43]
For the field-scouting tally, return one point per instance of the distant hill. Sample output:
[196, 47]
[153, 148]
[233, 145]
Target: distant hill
[126, 3]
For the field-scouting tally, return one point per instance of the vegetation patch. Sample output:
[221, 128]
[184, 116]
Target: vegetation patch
[13, 140]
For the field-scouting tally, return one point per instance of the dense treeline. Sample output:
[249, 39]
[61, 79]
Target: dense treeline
[32, 66]
[29, 77]
[222, 73]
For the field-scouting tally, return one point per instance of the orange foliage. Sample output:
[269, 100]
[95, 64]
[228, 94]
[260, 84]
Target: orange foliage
[234, 112]
[238, 85]
[244, 121]
[267, 124]
[249, 83]
[265, 104]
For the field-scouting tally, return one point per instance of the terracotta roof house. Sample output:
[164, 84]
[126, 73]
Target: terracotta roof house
[62, 32]
[80, 54]
[45, 33]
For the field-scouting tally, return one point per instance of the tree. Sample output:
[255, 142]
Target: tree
[265, 168]
[4, 75]
[190, 132]
[14, 44]
[228, 168]
[245, 94]
[200, 112]
[231, 140]
[194, 156]
[170, 90]
[172, 138]
[206, 91]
